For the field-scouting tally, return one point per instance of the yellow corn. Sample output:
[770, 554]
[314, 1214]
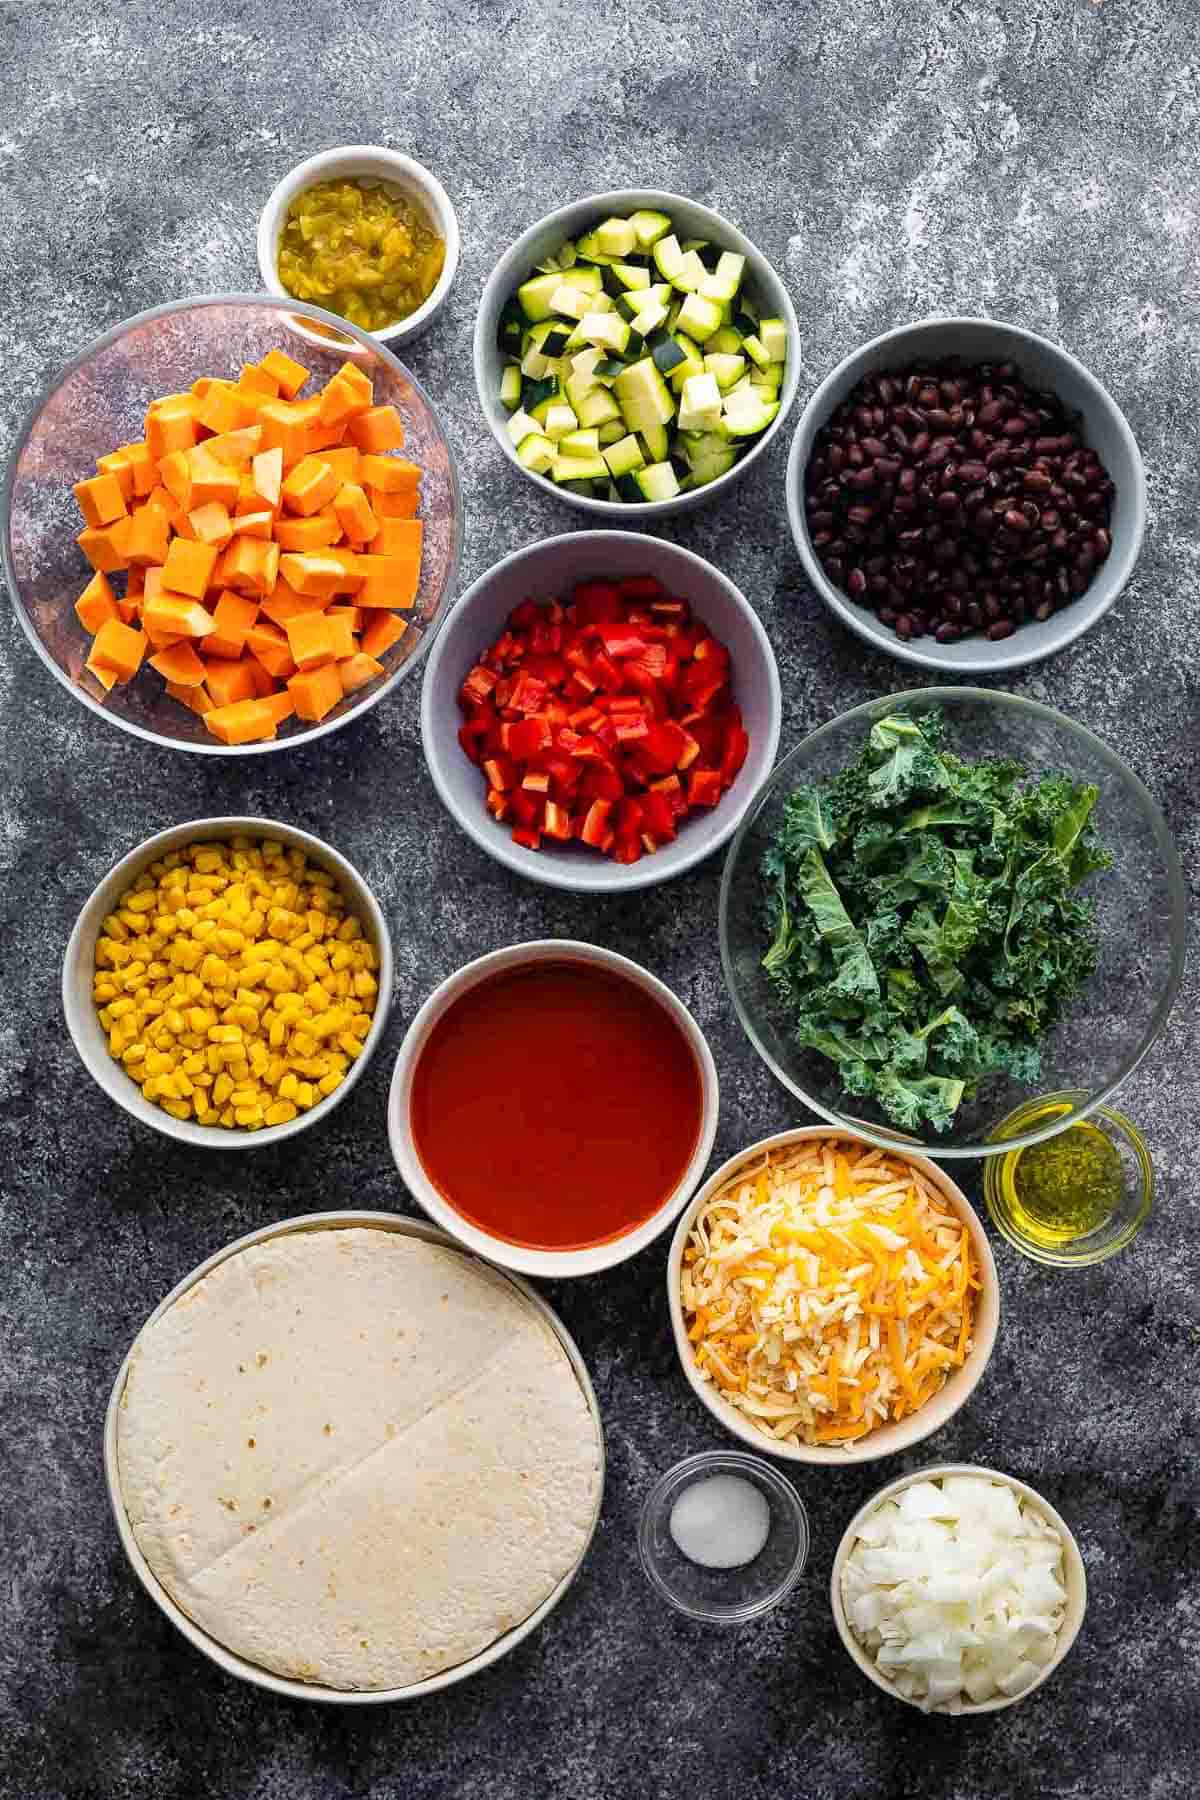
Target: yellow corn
[233, 985]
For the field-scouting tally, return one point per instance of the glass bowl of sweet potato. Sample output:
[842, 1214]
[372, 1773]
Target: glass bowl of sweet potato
[225, 539]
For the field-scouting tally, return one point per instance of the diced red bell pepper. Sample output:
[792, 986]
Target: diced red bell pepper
[737, 745]
[500, 771]
[596, 602]
[524, 616]
[651, 664]
[605, 671]
[704, 787]
[595, 826]
[557, 822]
[670, 609]
[641, 587]
[630, 727]
[622, 640]
[470, 742]
[690, 752]
[536, 781]
[478, 684]
[545, 638]
[496, 803]
[658, 815]
[526, 808]
[672, 787]
[528, 693]
[628, 817]
[527, 835]
[663, 745]
[527, 738]
[627, 850]
[600, 781]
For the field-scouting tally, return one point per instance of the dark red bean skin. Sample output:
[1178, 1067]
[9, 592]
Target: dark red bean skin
[954, 499]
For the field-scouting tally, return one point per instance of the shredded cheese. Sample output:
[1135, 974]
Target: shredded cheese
[828, 1289]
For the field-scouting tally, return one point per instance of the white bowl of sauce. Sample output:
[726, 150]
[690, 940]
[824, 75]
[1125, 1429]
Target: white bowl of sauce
[553, 1107]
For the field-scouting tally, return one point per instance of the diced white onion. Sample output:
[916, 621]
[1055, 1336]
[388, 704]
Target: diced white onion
[957, 1590]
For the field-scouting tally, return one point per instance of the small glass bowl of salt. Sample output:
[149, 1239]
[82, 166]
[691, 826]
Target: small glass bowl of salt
[723, 1537]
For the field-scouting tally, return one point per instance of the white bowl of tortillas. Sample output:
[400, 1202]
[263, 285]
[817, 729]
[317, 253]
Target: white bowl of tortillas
[351, 1462]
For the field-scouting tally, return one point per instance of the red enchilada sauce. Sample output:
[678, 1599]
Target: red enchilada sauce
[556, 1106]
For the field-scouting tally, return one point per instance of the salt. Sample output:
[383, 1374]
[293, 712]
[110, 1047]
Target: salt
[721, 1523]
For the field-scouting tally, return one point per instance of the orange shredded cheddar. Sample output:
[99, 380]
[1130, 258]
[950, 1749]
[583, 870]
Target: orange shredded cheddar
[828, 1288]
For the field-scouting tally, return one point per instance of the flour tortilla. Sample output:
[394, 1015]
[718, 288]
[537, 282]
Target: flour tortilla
[356, 1458]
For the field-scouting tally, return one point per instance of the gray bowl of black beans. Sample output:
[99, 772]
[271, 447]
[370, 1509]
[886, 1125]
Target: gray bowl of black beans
[965, 495]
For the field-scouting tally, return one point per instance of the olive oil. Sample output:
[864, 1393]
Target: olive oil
[1075, 1198]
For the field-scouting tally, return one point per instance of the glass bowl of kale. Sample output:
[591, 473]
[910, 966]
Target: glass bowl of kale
[944, 902]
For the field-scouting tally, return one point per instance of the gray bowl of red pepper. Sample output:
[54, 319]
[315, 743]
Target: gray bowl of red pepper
[965, 495]
[599, 710]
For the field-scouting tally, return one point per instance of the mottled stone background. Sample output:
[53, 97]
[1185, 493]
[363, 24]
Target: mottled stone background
[1039, 161]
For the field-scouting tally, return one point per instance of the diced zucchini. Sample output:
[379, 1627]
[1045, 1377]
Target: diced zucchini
[580, 468]
[744, 320]
[555, 342]
[571, 301]
[579, 443]
[578, 387]
[608, 368]
[536, 453]
[706, 469]
[596, 408]
[534, 364]
[510, 387]
[510, 328]
[648, 227]
[590, 280]
[746, 413]
[631, 275]
[690, 273]
[756, 350]
[536, 394]
[585, 362]
[726, 341]
[587, 248]
[668, 355]
[699, 318]
[724, 283]
[535, 296]
[700, 405]
[773, 335]
[649, 317]
[616, 237]
[667, 257]
[693, 363]
[727, 369]
[770, 377]
[560, 419]
[657, 482]
[642, 396]
[607, 331]
[612, 433]
[656, 442]
[624, 456]
[520, 426]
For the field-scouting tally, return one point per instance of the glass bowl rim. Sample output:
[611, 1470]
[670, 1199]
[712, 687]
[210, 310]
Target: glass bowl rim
[190, 303]
[732, 1462]
[1164, 839]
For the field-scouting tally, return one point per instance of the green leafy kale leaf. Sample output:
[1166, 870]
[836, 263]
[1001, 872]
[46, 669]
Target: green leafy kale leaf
[925, 928]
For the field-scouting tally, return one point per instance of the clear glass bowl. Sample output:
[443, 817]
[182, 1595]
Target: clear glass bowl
[1140, 910]
[724, 1596]
[99, 401]
[1114, 1232]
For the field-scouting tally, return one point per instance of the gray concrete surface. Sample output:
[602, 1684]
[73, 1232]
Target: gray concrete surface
[1040, 162]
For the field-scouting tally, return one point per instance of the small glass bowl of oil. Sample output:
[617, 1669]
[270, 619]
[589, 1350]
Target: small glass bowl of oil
[1076, 1198]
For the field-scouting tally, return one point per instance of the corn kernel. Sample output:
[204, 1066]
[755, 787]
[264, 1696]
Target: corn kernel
[280, 1113]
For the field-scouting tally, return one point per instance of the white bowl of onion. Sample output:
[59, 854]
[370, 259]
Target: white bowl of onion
[958, 1589]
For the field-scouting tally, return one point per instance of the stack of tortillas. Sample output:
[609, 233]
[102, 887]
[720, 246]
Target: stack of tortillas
[355, 1457]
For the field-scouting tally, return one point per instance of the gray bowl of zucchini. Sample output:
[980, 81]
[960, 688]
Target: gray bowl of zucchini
[634, 350]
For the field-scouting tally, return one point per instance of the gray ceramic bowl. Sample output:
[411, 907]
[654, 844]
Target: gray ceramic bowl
[518, 263]
[1043, 365]
[87, 1033]
[546, 570]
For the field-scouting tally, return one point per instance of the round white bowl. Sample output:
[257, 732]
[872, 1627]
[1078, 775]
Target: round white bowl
[346, 163]
[239, 1665]
[546, 236]
[87, 1033]
[550, 1264]
[1043, 365]
[546, 570]
[886, 1440]
[1073, 1570]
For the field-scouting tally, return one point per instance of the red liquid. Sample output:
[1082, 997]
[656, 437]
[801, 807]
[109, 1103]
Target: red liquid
[557, 1106]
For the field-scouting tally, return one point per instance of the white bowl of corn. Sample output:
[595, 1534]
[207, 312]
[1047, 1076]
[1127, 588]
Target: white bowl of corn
[228, 981]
